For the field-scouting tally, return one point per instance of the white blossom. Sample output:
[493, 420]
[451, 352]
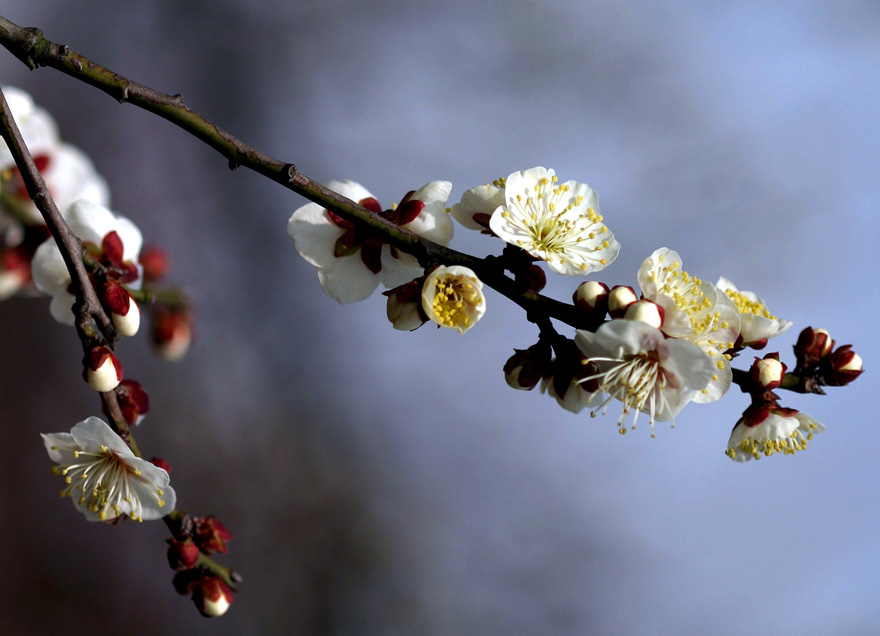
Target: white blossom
[68, 172]
[92, 223]
[768, 431]
[757, 324]
[453, 297]
[351, 264]
[643, 369]
[558, 223]
[104, 478]
[693, 311]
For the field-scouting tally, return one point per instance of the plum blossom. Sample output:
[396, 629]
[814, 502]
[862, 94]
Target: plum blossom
[767, 429]
[557, 223]
[104, 478]
[643, 369]
[68, 172]
[115, 241]
[351, 264]
[453, 297]
[693, 311]
[757, 324]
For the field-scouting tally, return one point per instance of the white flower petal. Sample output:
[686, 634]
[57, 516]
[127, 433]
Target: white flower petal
[433, 222]
[349, 281]
[482, 200]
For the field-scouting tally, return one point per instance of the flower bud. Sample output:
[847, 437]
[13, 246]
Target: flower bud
[210, 535]
[768, 371]
[591, 297]
[525, 368]
[133, 401]
[211, 596]
[811, 347]
[172, 332]
[15, 271]
[646, 311]
[534, 279]
[158, 462]
[154, 262]
[841, 367]
[404, 306]
[103, 371]
[619, 298]
[182, 555]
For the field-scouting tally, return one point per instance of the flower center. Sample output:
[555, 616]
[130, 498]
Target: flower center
[102, 481]
[547, 222]
[637, 381]
[453, 301]
[685, 291]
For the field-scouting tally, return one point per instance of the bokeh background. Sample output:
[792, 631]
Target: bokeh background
[380, 482]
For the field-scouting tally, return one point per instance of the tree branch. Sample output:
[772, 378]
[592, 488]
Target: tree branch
[31, 47]
[87, 305]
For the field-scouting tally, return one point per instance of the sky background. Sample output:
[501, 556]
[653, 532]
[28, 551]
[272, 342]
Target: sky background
[380, 482]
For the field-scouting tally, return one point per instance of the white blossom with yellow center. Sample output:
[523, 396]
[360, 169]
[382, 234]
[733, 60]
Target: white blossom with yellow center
[453, 297]
[104, 478]
[558, 223]
[694, 311]
[777, 433]
[757, 323]
[643, 369]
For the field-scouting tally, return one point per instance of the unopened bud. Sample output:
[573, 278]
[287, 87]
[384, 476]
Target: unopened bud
[211, 596]
[646, 311]
[154, 262]
[158, 462]
[591, 297]
[812, 346]
[182, 555]
[404, 306]
[123, 309]
[133, 401]
[768, 371]
[15, 271]
[525, 368]
[211, 535]
[103, 370]
[619, 299]
[534, 279]
[841, 367]
[172, 333]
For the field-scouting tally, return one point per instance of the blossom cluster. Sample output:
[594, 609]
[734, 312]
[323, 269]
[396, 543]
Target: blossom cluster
[654, 349]
[101, 469]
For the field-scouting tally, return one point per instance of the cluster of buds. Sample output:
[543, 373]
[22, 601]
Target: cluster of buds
[195, 537]
[820, 364]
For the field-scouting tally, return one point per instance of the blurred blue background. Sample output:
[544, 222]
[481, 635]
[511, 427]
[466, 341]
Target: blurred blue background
[380, 482]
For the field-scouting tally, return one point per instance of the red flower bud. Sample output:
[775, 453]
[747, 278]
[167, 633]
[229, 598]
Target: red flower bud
[591, 297]
[103, 371]
[154, 262]
[812, 346]
[210, 535]
[525, 368]
[133, 401]
[182, 555]
[841, 367]
[211, 596]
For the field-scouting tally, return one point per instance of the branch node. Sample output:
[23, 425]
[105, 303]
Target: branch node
[233, 163]
[291, 172]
